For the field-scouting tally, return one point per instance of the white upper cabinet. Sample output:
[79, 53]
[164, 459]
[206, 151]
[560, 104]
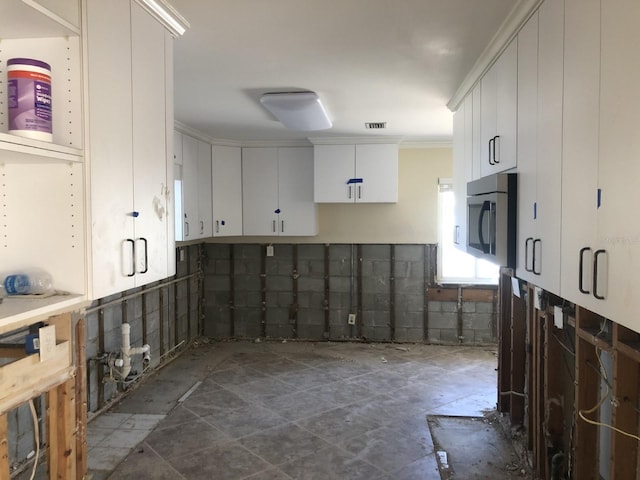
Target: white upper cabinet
[498, 112]
[227, 191]
[462, 168]
[539, 146]
[195, 208]
[616, 260]
[362, 173]
[42, 189]
[128, 146]
[277, 192]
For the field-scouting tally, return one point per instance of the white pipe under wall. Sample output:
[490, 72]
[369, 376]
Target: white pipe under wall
[128, 351]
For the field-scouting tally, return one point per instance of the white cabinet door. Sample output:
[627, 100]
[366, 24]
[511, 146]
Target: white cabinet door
[377, 167]
[459, 177]
[295, 197]
[618, 258]
[128, 146]
[227, 191]
[363, 173]
[549, 170]
[527, 146]
[476, 133]
[580, 146]
[259, 191]
[110, 146]
[334, 167]
[149, 145]
[190, 213]
[205, 214]
[499, 91]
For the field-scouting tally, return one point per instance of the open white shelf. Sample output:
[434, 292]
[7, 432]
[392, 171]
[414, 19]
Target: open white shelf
[14, 148]
[16, 311]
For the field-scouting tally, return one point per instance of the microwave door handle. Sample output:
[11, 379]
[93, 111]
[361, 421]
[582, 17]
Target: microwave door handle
[486, 205]
[492, 228]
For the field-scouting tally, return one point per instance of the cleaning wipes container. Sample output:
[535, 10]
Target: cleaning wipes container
[29, 98]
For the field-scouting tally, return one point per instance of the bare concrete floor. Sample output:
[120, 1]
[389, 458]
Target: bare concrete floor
[295, 410]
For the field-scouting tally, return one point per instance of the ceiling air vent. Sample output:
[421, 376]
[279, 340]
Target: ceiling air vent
[376, 125]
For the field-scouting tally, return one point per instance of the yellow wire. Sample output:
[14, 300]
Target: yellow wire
[599, 404]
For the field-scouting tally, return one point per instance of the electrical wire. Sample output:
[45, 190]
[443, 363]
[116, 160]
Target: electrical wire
[511, 392]
[603, 374]
[36, 436]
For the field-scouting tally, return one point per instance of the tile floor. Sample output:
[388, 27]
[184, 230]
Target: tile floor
[296, 410]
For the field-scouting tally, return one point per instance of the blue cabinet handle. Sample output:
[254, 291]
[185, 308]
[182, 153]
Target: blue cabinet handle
[354, 180]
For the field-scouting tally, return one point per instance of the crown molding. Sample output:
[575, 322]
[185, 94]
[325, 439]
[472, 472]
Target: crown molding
[509, 29]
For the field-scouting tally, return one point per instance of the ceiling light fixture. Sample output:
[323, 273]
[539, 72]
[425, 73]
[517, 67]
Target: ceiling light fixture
[301, 111]
[167, 15]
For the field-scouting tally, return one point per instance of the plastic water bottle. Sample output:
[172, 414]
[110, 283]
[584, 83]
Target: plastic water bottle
[30, 282]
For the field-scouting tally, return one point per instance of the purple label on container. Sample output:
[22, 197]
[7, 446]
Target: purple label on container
[29, 101]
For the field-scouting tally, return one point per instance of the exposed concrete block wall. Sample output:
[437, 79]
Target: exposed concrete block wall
[307, 291]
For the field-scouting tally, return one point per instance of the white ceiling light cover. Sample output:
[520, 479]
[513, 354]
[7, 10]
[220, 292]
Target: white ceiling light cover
[300, 111]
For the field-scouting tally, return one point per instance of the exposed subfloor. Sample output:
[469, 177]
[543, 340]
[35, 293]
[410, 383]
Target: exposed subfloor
[293, 410]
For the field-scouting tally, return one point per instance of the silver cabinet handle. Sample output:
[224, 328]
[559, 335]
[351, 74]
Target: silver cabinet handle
[350, 196]
[217, 226]
[282, 226]
[186, 229]
[359, 192]
[201, 226]
[274, 226]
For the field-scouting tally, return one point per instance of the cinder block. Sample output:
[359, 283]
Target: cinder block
[311, 284]
[468, 307]
[484, 307]
[246, 250]
[311, 332]
[434, 306]
[279, 283]
[409, 302]
[443, 320]
[217, 250]
[317, 301]
[410, 253]
[409, 285]
[449, 335]
[484, 336]
[376, 284]
[222, 266]
[449, 307]
[410, 320]
[311, 251]
[247, 283]
[340, 284]
[282, 251]
[477, 321]
[340, 267]
[279, 330]
[340, 301]
[376, 252]
[308, 316]
[340, 250]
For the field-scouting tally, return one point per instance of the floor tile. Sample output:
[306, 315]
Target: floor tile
[109, 420]
[182, 439]
[338, 424]
[261, 389]
[207, 403]
[330, 464]
[124, 438]
[228, 461]
[105, 458]
[299, 405]
[235, 376]
[144, 463]
[141, 421]
[385, 449]
[245, 421]
[283, 444]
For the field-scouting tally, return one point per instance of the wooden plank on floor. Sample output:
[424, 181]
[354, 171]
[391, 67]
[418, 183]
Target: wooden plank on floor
[554, 378]
[518, 358]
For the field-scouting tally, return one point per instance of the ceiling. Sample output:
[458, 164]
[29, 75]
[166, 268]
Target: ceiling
[394, 61]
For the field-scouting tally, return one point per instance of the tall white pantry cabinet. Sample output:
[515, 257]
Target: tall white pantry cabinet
[130, 133]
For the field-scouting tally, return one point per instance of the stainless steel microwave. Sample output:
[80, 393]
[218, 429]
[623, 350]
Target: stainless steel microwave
[491, 218]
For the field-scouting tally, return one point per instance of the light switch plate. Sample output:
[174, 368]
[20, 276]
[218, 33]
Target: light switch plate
[47, 342]
[558, 318]
[269, 250]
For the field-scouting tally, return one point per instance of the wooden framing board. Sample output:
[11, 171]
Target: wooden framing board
[585, 463]
[504, 342]
[61, 443]
[4, 447]
[537, 399]
[626, 377]
[518, 359]
[81, 401]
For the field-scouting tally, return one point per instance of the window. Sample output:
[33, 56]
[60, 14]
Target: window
[454, 265]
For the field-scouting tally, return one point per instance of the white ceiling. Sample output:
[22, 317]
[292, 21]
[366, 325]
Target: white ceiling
[395, 61]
